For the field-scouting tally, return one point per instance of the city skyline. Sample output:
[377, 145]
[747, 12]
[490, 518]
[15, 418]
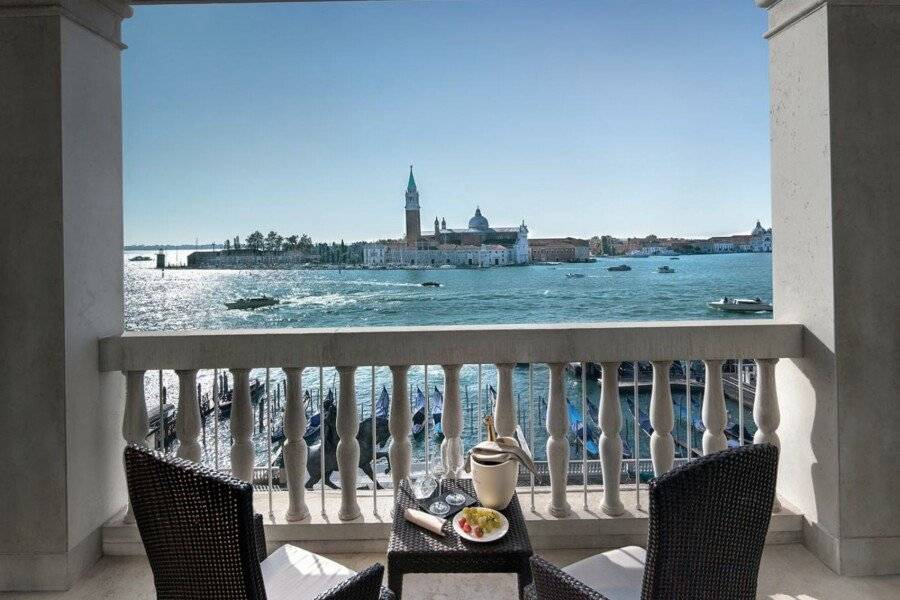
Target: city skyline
[623, 122]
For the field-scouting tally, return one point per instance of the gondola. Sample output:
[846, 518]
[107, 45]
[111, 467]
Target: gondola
[418, 417]
[576, 424]
[437, 409]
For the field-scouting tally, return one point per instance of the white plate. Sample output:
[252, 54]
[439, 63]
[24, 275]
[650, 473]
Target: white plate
[489, 537]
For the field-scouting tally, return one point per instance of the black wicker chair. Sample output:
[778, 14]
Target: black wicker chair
[203, 540]
[708, 525]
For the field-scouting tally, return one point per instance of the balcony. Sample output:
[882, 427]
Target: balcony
[599, 518]
[566, 520]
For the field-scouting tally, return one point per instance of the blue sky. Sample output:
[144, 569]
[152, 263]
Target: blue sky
[580, 117]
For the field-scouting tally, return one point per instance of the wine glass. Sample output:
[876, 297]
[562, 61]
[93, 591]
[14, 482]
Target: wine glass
[438, 507]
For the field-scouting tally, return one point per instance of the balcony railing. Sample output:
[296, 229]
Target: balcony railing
[557, 346]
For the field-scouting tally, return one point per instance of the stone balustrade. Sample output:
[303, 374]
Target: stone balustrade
[608, 345]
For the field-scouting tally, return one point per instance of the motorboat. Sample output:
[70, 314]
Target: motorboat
[742, 305]
[665, 269]
[251, 303]
[619, 268]
[431, 284]
[575, 275]
[140, 259]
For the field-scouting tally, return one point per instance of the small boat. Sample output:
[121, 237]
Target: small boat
[382, 404]
[251, 303]
[619, 268]
[575, 275]
[743, 305]
[674, 258]
[418, 417]
[437, 409]
[576, 424]
[139, 259]
[665, 269]
[431, 284]
[446, 267]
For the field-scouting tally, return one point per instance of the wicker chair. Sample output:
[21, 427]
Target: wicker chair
[708, 524]
[203, 540]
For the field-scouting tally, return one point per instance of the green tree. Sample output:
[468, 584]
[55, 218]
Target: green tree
[227, 245]
[607, 245]
[273, 241]
[305, 243]
[255, 241]
[237, 243]
[290, 242]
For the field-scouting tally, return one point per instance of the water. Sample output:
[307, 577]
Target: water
[193, 299]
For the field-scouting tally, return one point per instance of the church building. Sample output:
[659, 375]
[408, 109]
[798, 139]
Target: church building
[478, 245]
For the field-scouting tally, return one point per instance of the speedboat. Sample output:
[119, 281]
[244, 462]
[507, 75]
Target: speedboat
[665, 269]
[140, 259]
[431, 284]
[251, 303]
[619, 268]
[575, 275]
[746, 305]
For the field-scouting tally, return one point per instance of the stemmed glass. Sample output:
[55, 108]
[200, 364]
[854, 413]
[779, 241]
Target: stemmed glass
[457, 498]
[438, 507]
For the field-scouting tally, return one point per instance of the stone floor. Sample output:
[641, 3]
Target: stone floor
[787, 572]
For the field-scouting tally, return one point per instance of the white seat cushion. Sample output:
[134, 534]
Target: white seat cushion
[292, 572]
[617, 574]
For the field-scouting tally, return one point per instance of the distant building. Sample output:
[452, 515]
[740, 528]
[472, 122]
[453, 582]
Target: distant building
[559, 250]
[758, 240]
[761, 239]
[478, 245]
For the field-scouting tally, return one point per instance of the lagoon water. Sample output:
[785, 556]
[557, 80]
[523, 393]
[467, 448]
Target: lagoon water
[194, 299]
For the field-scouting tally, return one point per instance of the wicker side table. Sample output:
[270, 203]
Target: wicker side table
[412, 549]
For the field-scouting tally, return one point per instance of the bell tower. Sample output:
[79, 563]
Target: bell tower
[413, 222]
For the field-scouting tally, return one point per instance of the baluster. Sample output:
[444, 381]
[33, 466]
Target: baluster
[505, 410]
[348, 446]
[400, 424]
[295, 450]
[610, 441]
[135, 423]
[187, 420]
[662, 419]
[241, 420]
[557, 443]
[451, 422]
[765, 408]
[714, 416]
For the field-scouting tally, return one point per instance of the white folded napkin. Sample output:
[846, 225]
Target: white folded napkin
[427, 521]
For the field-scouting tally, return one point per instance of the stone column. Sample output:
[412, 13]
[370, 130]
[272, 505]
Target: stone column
[61, 243]
[242, 456]
[348, 446]
[187, 420]
[451, 422]
[295, 450]
[135, 424]
[400, 425]
[662, 419]
[765, 407]
[505, 410]
[714, 416]
[610, 441]
[557, 442]
[835, 151]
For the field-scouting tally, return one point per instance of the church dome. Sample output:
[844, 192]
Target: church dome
[478, 221]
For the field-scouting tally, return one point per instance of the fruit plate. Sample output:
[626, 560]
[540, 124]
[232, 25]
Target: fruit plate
[489, 537]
